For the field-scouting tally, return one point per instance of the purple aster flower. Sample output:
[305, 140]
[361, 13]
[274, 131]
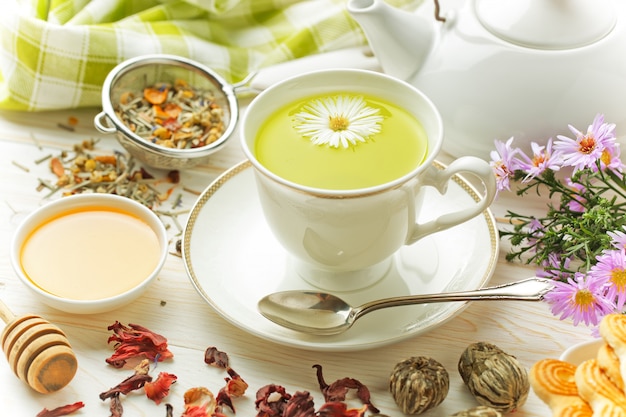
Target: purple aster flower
[618, 239]
[577, 203]
[610, 158]
[543, 158]
[611, 268]
[581, 298]
[535, 232]
[587, 148]
[535, 227]
[504, 163]
[551, 267]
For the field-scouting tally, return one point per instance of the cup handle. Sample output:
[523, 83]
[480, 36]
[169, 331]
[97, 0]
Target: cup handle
[440, 178]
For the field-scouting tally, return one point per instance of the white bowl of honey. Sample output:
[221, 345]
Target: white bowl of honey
[89, 253]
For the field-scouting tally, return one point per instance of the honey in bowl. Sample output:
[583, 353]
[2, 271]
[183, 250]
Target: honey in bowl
[90, 253]
[301, 142]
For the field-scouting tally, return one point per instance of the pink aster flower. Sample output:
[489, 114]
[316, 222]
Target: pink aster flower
[618, 239]
[551, 267]
[586, 149]
[535, 232]
[610, 158]
[611, 268]
[504, 163]
[581, 298]
[577, 203]
[543, 159]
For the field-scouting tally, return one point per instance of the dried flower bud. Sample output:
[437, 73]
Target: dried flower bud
[480, 411]
[418, 384]
[495, 378]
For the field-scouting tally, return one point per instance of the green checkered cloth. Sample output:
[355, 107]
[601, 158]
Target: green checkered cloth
[55, 54]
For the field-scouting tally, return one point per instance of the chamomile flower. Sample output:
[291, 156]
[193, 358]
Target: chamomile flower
[336, 121]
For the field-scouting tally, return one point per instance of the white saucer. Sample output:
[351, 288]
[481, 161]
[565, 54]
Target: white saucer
[233, 260]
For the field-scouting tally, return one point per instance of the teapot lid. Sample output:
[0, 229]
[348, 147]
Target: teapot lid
[547, 24]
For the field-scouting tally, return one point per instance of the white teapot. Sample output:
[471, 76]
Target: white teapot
[502, 68]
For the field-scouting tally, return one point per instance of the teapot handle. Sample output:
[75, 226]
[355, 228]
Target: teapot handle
[439, 179]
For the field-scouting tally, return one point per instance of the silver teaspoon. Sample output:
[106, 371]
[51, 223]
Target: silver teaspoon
[325, 314]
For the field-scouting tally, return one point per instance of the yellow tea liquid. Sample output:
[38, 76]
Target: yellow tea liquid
[399, 147]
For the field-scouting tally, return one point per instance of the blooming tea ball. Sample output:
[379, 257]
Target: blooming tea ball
[495, 378]
[418, 384]
[480, 411]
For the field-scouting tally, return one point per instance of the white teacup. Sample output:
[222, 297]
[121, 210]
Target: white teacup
[344, 240]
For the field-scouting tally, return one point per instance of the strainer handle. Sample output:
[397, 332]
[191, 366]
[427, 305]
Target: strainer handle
[102, 124]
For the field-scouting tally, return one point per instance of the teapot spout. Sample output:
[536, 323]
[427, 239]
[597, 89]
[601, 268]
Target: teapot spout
[400, 40]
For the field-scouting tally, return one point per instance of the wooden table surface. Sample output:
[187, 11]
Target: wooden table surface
[173, 308]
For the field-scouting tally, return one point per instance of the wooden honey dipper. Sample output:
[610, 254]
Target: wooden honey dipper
[38, 351]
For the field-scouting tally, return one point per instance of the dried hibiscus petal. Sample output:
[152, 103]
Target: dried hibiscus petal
[61, 411]
[271, 400]
[235, 385]
[131, 383]
[158, 389]
[338, 390]
[195, 411]
[199, 402]
[339, 409]
[115, 406]
[136, 341]
[134, 382]
[215, 357]
[224, 399]
[300, 405]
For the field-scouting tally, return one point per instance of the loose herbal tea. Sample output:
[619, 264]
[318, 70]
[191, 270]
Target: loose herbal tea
[173, 115]
[81, 171]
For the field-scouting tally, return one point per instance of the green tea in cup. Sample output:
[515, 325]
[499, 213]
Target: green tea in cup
[342, 159]
[341, 141]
